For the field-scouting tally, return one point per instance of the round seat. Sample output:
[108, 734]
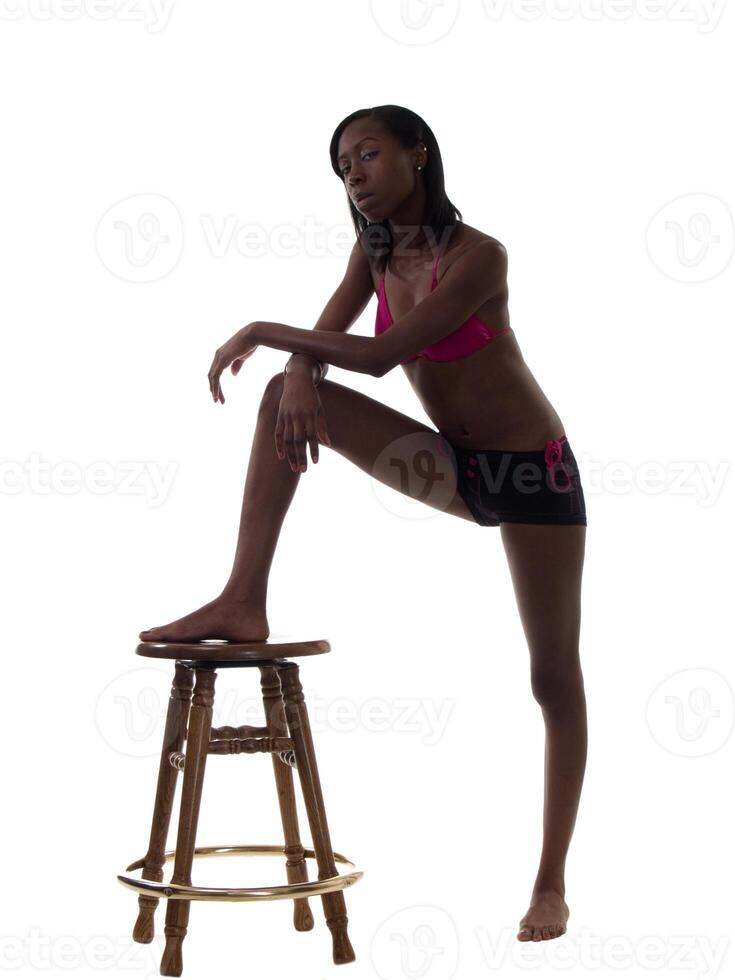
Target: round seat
[223, 653]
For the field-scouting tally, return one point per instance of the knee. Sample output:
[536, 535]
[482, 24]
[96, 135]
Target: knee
[272, 393]
[556, 687]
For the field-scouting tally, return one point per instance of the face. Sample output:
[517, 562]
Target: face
[371, 161]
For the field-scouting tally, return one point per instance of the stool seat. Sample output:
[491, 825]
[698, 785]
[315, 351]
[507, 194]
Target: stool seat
[223, 653]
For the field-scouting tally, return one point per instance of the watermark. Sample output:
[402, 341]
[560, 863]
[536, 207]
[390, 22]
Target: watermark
[423, 467]
[228, 234]
[137, 478]
[699, 480]
[37, 950]
[691, 713]
[700, 956]
[424, 941]
[420, 466]
[416, 941]
[140, 238]
[692, 238]
[705, 14]
[154, 14]
[421, 22]
[414, 22]
[130, 713]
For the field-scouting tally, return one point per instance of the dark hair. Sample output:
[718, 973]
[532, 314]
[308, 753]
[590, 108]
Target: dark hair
[409, 129]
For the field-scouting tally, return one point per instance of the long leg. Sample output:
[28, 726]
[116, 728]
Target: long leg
[393, 448]
[546, 564]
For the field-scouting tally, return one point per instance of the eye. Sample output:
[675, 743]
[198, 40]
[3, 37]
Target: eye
[367, 154]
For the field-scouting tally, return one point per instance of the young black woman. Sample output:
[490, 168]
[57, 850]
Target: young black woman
[478, 391]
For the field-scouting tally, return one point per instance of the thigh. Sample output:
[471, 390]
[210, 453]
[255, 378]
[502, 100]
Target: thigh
[546, 562]
[391, 447]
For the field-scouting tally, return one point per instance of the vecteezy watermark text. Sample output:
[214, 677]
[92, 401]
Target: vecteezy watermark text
[146, 478]
[155, 14]
[705, 14]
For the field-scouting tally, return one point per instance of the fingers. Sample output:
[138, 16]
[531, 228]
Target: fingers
[280, 425]
[321, 427]
[299, 444]
[294, 440]
[288, 440]
[311, 438]
[293, 433]
[214, 385]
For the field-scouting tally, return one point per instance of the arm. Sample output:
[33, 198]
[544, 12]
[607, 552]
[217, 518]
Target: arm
[345, 351]
[471, 280]
[304, 365]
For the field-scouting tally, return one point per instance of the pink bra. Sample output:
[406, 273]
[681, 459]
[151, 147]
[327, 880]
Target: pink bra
[473, 334]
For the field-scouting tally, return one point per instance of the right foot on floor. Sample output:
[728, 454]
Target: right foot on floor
[221, 619]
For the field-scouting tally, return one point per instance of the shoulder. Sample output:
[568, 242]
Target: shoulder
[475, 248]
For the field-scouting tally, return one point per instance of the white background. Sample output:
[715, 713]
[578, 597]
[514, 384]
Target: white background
[595, 141]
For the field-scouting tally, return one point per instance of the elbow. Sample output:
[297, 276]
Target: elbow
[382, 366]
[383, 358]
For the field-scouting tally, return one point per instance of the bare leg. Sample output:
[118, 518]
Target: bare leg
[546, 569]
[360, 429]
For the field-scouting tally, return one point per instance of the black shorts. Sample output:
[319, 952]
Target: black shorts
[539, 486]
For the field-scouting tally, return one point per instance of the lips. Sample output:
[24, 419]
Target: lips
[362, 197]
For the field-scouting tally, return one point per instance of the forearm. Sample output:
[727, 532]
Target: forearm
[343, 350]
[307, 366]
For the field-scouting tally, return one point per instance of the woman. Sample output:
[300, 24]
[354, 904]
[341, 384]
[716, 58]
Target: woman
[474, 385]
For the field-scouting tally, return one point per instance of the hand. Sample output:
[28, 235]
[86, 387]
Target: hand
[237, 350]
[300, 420]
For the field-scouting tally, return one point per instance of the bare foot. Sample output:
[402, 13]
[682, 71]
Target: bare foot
[221, 619]
[546, 917]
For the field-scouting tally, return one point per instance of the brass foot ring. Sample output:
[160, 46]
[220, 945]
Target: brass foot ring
[198, 893]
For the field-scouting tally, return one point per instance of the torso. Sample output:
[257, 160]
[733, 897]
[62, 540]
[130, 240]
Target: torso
[489, 400]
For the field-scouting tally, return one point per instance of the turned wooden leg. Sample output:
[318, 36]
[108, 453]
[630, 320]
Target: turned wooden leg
[197, 745]
[173, 738]
[297, 718]
[296, 869]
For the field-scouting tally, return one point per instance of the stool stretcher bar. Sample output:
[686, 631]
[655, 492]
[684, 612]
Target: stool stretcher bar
[267, 893]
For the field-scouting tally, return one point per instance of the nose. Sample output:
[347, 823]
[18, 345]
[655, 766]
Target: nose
[354, 177]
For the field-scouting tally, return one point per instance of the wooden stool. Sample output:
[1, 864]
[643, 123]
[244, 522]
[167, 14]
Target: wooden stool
[287, 736]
